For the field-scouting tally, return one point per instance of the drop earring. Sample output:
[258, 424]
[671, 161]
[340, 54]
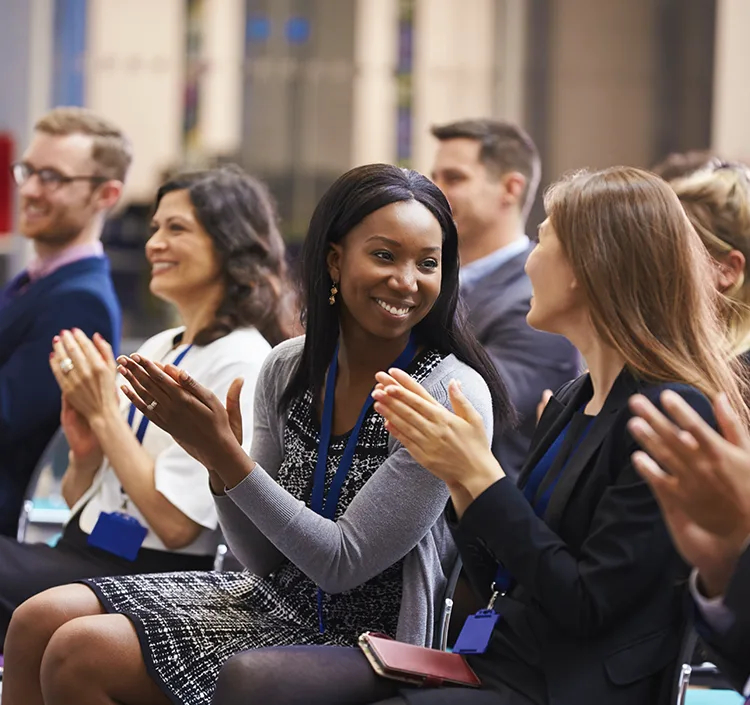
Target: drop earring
[332, 297]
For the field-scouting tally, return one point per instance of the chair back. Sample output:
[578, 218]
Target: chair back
[55, 453]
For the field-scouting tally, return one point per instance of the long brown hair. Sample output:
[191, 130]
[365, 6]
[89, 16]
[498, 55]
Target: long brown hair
[717, 202]
[647, 278]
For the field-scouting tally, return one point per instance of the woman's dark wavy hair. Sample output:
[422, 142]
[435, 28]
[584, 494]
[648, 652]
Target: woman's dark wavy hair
[347, 203]
[238, 214]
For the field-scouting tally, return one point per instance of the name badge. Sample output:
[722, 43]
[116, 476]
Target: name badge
[476, 632]
[119, 534]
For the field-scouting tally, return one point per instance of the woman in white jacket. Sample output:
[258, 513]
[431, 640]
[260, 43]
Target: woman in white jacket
[139, 502]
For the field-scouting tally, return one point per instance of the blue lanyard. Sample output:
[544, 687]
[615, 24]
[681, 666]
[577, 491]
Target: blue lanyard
[141, 432]
[503, 579]
[322, 503]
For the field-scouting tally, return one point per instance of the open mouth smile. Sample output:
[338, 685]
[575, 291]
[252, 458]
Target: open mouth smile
[399, 311]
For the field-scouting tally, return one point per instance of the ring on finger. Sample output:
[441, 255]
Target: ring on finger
[152, 405]
[66, 365]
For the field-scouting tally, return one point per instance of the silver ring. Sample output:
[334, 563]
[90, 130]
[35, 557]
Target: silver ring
[152, 405]
[66, 365]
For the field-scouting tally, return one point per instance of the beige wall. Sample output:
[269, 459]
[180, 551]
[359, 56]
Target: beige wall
[220, 119]
[600, 107]
[374, 88]
[731, 107]
[469, 61]
[134, 76]
[453, 67]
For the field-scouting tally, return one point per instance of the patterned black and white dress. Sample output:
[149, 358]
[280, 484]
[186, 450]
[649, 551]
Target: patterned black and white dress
[190, 623]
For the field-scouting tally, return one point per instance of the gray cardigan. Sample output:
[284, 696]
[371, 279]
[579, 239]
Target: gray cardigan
[398, 513]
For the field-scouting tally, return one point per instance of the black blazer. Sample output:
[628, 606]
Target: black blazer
[731, 650]
[79, 294]
[597, 611]
[528, 360]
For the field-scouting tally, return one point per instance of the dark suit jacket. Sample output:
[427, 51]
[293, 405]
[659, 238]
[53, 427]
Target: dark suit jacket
[78, 295]
[597, 612]
[528, 360]
[731, 650]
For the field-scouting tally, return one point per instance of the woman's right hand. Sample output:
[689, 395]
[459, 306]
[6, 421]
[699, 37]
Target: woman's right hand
[81, 439]
[193, 415]
[89, 381]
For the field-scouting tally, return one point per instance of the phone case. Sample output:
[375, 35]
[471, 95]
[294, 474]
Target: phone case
[416, 665]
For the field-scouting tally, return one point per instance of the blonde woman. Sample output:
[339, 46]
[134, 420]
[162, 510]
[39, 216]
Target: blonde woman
[716, 199]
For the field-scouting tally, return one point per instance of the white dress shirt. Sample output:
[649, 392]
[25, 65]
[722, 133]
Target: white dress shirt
[178, 476]
[471, 273]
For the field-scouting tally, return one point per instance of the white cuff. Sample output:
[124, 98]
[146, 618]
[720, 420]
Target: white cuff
[717, 615]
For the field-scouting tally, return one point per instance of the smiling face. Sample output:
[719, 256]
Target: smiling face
[557, 302]
[184, 265]
[55, 214]
[388, 269]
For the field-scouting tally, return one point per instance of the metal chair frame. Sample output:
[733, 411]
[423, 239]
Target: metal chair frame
[55, 446]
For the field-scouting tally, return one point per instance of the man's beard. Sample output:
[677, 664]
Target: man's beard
[59, 230]
[58, 236]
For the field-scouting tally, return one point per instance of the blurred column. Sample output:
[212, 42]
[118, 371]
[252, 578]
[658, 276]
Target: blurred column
[223, 50]
[135, 76]
[374, 89]
[454, 67]
[68, 84]
[731, 106]
[510, 73]
[26, 39]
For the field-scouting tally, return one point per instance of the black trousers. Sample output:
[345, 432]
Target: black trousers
[30, 568]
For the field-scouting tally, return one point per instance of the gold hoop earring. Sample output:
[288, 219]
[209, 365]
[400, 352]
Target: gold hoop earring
[332, 297]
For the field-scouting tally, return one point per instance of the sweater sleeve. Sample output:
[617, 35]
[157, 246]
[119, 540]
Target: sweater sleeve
[394, 510]
[246, 541]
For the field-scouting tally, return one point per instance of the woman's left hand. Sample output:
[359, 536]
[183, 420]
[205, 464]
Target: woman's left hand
[89, 383]
[452, 446]
[187, 411]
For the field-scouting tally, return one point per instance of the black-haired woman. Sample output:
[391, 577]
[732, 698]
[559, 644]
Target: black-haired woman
[339, 528]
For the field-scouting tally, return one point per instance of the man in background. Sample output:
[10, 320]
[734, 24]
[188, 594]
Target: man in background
[490, 171]
[70, 176]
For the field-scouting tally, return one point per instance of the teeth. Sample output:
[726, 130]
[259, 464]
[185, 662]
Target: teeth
[392, 309]
[161, 266]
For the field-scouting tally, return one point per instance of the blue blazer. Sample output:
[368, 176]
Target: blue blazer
[78, 295]
[528, 360]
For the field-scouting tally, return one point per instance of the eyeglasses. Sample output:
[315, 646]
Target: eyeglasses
[51, 179]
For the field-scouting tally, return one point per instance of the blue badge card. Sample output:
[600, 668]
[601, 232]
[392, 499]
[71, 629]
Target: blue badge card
[476, 632]
[119, 534]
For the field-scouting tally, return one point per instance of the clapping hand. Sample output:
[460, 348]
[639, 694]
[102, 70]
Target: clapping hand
[81, 439]
[85, 371]
[451, 445]
[701, 480]
[190, 413]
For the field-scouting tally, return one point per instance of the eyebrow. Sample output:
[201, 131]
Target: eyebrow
[172, 219]
[397, 244]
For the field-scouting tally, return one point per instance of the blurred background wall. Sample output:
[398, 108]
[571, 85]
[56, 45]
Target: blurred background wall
[298, 91]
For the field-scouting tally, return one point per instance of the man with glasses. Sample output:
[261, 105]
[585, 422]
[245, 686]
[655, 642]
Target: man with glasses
[68, 179]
